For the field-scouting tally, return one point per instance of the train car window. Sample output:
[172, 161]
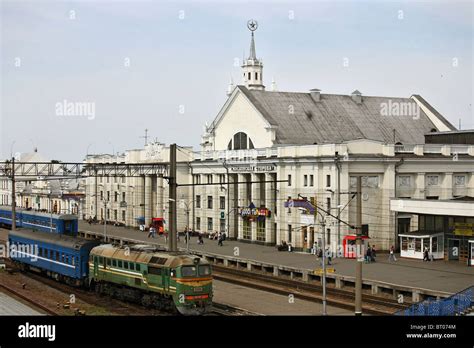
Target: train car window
[132, 266]
[125, 264]
[73, 261]
[188, 271]
[154, 270]
[204, 270]
[108, 262]
[114, 263]
[120, 264]
[56, 256]
[40, 251]
[101, 259]
[137, 267]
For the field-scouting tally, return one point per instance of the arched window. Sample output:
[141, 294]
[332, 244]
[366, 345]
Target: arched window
[240, 142]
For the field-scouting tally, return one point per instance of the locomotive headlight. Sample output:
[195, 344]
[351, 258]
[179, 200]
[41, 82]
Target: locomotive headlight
[196, 260]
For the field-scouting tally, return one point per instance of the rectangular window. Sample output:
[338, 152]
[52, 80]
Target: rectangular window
[261, 230]
[115, 196]
[209, 224]
[120, 263]
[247, 230]
[108, 195]
[289, 179]
[137, 267]
[311, 180]
[209, 178]
[198, 223]
[290, 232]
[328, 204]
[154, 270]
[209, 202]
[132, 266]
[114, 263]
[328, 180]
[125, 264]
[221, 202]
[328, 236]
[123, 215]
[115, 214]
[198, 201]
[123, 196]
[222, 225]
[108, 262]
[305, 180]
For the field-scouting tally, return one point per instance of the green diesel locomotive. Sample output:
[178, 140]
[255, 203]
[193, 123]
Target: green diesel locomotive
[155, 278]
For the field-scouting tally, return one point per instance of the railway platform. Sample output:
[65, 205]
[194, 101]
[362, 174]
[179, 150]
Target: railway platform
[437, 275]
[11, 306]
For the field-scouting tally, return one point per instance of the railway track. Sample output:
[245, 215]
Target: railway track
[226, 310]
[310, 292]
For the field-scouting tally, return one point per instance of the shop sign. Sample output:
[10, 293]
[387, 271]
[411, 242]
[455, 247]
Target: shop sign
[253, 168]
[252, 212]
[463, 229]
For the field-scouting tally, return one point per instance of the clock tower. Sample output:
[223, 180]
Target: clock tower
[252, 68]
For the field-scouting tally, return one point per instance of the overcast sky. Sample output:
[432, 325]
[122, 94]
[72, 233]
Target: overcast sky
[166, 66]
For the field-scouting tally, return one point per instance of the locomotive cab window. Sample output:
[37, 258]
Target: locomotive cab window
[188, 271]
[125, 264]
[204, 270]
[120, 264]
[114, 263]
[137, 267]
[108, 262]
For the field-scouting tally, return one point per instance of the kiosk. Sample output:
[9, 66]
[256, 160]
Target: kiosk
[413, 245]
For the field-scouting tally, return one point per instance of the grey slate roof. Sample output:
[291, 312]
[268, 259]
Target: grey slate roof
[336, 118]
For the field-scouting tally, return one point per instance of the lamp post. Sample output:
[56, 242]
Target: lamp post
[105, 220]
[50, 211]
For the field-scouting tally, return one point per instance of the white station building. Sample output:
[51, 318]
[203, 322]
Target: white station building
[266, 147]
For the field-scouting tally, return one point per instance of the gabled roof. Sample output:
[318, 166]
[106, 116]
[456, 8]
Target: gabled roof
[300, 120]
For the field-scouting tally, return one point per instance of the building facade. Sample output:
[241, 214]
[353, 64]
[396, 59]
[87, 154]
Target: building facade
[135, 200]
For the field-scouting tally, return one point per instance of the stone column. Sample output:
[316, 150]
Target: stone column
[242, 202]
[270, 198]
[420, 186]
[148, 200]
[447, 186]
[160, 192]
[255, 189]
[470, 184]
[232, 208]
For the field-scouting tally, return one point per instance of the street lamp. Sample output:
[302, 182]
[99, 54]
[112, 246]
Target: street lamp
[105, 220]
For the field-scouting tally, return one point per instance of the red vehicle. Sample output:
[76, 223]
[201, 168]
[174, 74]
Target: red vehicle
[349, 245]
[159, 224]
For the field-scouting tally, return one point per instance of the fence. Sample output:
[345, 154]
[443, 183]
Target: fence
[453, 305]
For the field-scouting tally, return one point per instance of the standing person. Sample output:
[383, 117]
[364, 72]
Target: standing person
[166, 236]
[219, 241]
[426, 255]
[373, 253]
[368, 255]
[328, 255]
[200, 240]
[392, 257]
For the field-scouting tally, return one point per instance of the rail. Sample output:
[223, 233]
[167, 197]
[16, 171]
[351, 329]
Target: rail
[376, 287]
[456, 304]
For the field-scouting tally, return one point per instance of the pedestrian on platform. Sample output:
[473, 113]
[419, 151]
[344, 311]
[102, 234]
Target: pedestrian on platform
[392, 257]
[368, 255]
[219, 241]
[426, 255]
[373, 253]
[166, 236]
[200, 240]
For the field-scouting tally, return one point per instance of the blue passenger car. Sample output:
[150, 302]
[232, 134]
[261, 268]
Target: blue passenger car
[59, 256]
[57, 223]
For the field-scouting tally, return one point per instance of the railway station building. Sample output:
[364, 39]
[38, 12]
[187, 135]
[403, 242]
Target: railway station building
[265, 147]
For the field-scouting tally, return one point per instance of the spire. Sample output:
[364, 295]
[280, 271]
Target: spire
[252, 55]
[230, 88]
